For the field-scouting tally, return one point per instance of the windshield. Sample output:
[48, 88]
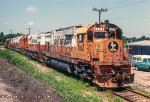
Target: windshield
[148, 60]
[111, 35]
[100, 34]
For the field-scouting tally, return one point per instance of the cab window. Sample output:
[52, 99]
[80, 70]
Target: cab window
[119, 33]
[145, 60]
[134, 58]
[81, 38]
[114, 32]
[111, 35]
[68, 40]
[100, 34]
[90, 36]
[148, 60]
[139, 59]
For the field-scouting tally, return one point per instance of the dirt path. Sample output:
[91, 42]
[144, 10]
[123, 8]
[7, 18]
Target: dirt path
[142, 80]
[16, 86]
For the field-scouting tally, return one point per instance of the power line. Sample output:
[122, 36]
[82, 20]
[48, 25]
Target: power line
[131, 18]
[113, 8]
[121, 1]
[131, 4]
[126, 5]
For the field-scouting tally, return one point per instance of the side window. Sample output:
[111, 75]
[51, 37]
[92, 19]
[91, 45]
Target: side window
[100, 34]
[68, 40]
[138, 59]
[80, 42]
[144, 60]
[81, 37]
[134, 58]
[90, 36]
[61, 41]
[119, 33]
[56, 42]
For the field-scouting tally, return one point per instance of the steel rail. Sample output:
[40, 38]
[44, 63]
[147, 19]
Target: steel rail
[129, 99]
[138, 93]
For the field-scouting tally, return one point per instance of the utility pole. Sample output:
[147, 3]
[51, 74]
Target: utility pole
[100, 11]
[29, 29]
[10, 31]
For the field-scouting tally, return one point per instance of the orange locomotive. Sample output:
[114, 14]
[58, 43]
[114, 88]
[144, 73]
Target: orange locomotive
[95, 53]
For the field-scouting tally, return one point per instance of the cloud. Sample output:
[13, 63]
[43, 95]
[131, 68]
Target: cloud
[31, 8]
[30, 23]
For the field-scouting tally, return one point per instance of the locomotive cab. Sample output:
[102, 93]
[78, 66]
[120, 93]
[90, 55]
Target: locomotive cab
[90, 40]
[104, 32]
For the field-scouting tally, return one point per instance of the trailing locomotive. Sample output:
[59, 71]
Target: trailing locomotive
[95, 52]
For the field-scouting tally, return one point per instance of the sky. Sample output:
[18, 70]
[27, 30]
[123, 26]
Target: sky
[132, 16]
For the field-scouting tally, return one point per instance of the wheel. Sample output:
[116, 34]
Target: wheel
[136, 68]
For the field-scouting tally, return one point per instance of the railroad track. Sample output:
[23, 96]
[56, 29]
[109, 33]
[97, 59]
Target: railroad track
[131, 95]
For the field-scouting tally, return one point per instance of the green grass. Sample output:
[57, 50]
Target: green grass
[68, 87]
[1, 43]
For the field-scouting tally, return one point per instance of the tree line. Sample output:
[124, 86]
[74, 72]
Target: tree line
[3, 37]
[135, 39]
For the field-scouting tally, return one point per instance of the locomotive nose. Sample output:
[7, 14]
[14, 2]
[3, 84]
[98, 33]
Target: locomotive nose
[113, 52]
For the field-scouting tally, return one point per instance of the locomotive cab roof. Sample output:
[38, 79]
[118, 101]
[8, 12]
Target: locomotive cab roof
[84, 29]
[107, 27]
